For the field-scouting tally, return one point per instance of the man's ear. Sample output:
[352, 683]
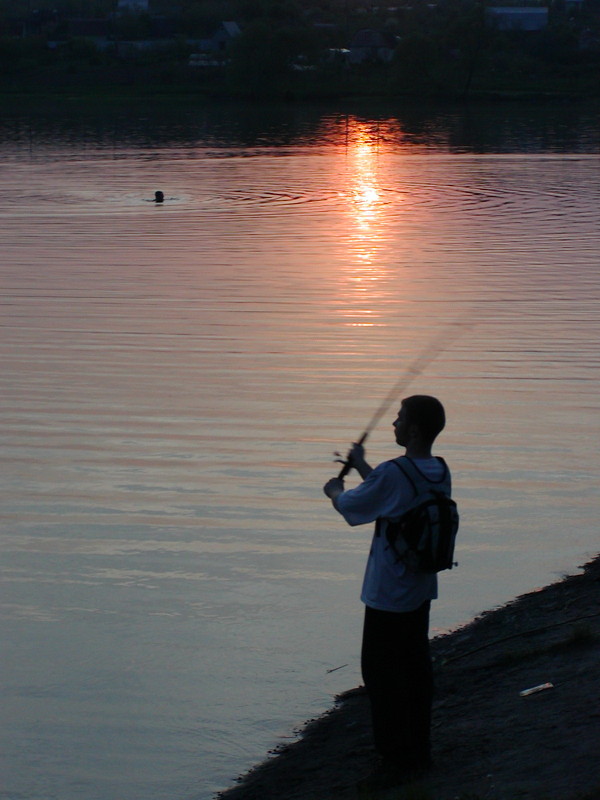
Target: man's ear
[413, 432]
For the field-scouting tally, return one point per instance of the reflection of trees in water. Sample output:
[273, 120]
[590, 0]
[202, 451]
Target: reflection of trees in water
[505, 127]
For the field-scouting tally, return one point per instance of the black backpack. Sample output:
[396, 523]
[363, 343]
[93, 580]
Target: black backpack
[423, 537]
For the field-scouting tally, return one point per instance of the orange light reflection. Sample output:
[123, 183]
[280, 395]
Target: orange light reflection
[366, 211]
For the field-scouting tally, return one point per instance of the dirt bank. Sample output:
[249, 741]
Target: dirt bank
[489, 741]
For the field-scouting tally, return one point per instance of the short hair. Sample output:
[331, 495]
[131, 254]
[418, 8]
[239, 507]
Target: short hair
[427, 413]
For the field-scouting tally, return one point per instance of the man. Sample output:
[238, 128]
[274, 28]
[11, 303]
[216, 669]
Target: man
[395, 659]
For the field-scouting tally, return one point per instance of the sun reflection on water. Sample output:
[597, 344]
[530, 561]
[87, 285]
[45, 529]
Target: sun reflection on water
[366, 206]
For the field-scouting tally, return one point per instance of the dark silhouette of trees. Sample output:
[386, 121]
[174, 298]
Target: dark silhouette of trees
[445, 47]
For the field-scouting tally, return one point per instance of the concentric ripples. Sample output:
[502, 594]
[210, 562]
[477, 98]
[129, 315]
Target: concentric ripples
[485, 186]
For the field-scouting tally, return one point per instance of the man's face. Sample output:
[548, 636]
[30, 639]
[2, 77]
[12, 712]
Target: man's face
[401, 428]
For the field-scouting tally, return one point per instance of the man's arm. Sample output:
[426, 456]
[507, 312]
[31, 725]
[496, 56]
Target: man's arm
[333, 489]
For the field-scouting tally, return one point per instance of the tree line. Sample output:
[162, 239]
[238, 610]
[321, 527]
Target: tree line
[286, 48]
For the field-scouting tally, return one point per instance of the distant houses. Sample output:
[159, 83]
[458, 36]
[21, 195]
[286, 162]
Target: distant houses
[372, 46]
[133, 27]
[518, 18]
[133, 6]
[222, 38]
[216, 46]
[159, 33]
[98, 31]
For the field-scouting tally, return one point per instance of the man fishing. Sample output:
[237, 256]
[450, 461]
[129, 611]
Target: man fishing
[395, 659]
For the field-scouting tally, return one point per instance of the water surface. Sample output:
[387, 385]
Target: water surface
[176, 378]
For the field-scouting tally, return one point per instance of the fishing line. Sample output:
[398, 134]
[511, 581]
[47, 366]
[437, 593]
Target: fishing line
[416, 367]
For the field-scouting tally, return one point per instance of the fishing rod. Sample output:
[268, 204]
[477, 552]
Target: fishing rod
[417, 366]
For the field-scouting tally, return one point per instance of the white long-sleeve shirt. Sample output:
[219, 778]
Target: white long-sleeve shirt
[385, 493]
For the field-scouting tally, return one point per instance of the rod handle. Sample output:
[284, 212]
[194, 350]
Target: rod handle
[347, 464]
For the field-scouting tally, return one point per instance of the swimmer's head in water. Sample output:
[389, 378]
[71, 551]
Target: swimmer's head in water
[158, 197]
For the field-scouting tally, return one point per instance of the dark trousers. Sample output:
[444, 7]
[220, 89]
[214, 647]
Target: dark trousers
[396, 669]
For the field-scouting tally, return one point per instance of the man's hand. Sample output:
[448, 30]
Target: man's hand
[356, 458]
[333, 488]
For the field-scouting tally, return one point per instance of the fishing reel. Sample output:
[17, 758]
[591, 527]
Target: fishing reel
[347, 462]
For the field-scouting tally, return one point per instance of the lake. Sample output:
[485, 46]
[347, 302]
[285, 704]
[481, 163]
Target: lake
[178, 594]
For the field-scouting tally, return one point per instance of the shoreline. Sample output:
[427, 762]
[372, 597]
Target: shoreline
[169, 94]
[148, 83]
[488, 740]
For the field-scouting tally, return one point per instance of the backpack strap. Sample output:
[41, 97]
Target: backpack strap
[396, 462]
[419, 482]
[406, 474]
[416, 478]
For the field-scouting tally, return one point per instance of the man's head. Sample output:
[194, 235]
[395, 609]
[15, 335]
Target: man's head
[421, 417]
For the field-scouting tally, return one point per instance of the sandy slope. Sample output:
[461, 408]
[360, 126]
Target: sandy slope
[489, 741]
